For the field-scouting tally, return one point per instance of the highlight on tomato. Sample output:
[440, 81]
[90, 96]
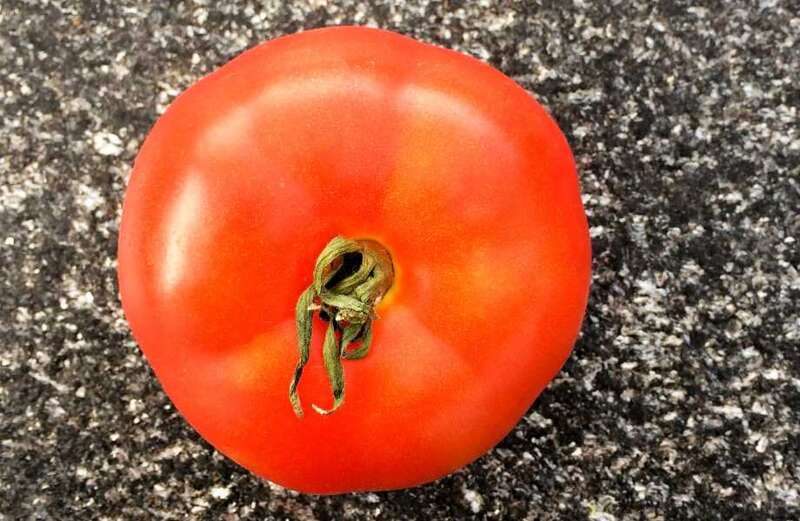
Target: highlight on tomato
[354, 260]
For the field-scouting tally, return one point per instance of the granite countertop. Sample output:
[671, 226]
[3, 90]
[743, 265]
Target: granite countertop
[682, 398]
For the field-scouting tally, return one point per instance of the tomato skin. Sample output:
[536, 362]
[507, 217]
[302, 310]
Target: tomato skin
[362, 133]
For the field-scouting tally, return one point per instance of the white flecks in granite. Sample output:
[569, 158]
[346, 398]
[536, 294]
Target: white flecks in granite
[107, 144]
[681, 400]
[220, 492]
[473, 499]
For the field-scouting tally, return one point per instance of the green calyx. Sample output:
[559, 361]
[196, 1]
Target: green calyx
[350, 277]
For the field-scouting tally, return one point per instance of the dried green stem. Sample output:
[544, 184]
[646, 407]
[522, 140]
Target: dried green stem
[350, 277]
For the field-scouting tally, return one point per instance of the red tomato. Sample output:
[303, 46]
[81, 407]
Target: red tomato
[360, 133]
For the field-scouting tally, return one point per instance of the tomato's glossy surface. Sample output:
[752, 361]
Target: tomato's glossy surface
[363, 133]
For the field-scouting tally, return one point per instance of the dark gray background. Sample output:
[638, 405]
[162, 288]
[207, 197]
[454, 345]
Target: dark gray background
[681, 399]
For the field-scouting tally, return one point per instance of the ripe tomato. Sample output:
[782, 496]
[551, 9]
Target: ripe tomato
[449, 165]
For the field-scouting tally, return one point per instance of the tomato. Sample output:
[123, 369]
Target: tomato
[427, 163]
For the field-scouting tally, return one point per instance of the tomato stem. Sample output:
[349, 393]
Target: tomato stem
[350, 277]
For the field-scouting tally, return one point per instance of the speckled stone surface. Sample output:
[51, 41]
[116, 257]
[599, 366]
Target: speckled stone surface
[681, 399]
